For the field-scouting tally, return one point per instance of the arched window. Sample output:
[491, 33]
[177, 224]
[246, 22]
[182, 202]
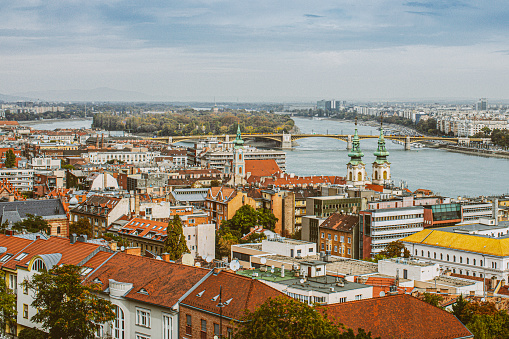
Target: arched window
[376, 175]
[480, 262]
[434, 255]
[474, 261]
[359, 176]
[441, 256]
[454, 258]
[39, 265]
[350, 177]
[428, 255]
[468, 260]
[415, 252]
[385, 175]
[447, 257]
[118, 324]
[461, 259]
[422, 253]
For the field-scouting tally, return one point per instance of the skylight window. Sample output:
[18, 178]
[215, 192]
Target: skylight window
[21, 256]
[6, 257]
[85, 270]
[143, 291]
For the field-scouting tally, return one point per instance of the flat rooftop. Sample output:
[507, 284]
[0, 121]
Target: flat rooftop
[413, 262]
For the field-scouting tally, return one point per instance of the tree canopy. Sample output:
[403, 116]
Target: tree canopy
[66, 307]
[10, 159]
[7, 305]
[395, 249]
[32, 224]
[287, 318]
[81, 227]
[175, 243]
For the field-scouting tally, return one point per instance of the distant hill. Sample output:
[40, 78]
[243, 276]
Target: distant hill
[97, 94]
[11, 98]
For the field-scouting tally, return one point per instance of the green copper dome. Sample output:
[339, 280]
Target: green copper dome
[381, 152]
[238, 142]
[355, 153]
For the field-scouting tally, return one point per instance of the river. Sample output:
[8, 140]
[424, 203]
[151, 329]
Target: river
[446, 173]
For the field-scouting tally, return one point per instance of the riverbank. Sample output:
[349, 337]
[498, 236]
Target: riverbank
[470, 151]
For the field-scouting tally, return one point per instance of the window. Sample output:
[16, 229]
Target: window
[142, 336]
[335, 237]
[473, 260]
[480, 262]
[342, 300]
[447, 257]
[25, 287]
[311, 249]
[349, 251]
[204, 329]
[441, 256]
[189, 324]
[6, 257]
[461, 259]
[428, 255]
[25, 311]
[342, 238]
[358, 297]
[434, 255]
[216, 329]
[323, 235]
[322, 246]
[142, 317]
[349, 240]
[118, 324]
[229, 332]
[336, 249]
[21, 256]
[468, 259]
[329, 236]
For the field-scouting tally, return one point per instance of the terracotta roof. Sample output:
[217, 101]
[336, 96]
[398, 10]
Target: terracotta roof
[72, 254]
[221, 194]
[154, 281]
[13, 246]
[289, 180]
[340, 222]
[376, 188]
[262, 168]
[5, 122]
[143, 227]
[244, 292]
[397, 316]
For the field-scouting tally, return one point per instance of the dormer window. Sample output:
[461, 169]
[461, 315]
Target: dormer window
[39, 266]
[143, 291]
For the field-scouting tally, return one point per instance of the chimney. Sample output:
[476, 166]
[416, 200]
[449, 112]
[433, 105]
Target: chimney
[282, 270]
[105, 180]
[97, 141]
[73, 238]
[137, 204]
[133, 251]
[11, 197]
[166, 257]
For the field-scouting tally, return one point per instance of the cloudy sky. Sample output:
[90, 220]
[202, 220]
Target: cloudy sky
[277, 50]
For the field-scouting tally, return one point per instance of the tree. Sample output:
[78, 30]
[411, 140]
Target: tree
[395, 249]
[458, 308]
[7, 305]
[286, 318]
[433, 299]
[81, 227]
[32, 333]
[66, 307]
[244, 218]
[267, 219]
[32, 224]
[215, 183]
[225, 238]
[10, 159]
[175, 243]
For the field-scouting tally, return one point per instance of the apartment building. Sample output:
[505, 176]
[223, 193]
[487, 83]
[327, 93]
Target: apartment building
[21, 179]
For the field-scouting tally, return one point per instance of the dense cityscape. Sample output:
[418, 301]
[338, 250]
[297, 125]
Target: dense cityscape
[205, 230]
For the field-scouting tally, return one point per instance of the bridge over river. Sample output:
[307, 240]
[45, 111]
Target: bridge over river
[285, 140]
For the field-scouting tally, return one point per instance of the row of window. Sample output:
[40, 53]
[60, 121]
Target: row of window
[342, 238]
[398, 217]
[494, 264]
[336, 249]
[203, 328]
[396, 227]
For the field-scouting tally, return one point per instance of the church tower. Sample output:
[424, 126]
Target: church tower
[356, 169]
[381, 166]
[238, 169]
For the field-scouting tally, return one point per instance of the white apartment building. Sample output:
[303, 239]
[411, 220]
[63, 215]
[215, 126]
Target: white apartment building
[387, 225]
[44, 163]
[21, 179]
[472, 211]
[125, 157]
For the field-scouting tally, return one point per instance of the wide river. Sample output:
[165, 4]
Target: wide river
[447, 173]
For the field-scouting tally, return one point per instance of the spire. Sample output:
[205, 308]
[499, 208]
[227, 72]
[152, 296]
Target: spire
[381, 152]
[238, 142]
[355, 153]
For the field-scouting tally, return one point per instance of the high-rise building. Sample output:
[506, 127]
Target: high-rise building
[482, 105]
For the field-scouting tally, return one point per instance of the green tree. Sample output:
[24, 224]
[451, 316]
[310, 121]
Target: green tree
[7, 305]
[175, 243]
[66, 307]
[81, 227]
[244, 218]
[10, 159]
[286, 318]
[433, 299]
[267, 219]
[32, 224]
[395, 249]
[459, 308]
[32, 333]
[225, 238]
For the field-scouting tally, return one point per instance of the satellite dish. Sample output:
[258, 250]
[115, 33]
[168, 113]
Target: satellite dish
[382, 293]
[208, 259]
[122, 248]
[235, 265]
[197, 264]
[263, 261]
[302, 281]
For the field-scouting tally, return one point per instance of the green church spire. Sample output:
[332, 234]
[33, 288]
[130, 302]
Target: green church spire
[355, 153]
[381, 152]
[238, 142]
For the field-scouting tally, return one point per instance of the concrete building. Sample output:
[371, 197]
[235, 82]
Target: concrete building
[380, 227]
[323, 207]
[121, 156]
[44, 163]
[21, 179]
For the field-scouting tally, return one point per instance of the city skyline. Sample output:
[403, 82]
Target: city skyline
[263, 51]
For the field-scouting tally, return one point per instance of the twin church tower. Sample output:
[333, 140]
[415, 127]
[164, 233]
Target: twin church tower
[356, 169]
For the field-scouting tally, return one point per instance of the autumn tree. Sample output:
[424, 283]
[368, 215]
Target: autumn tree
[10, 159]
[7, 305]
[432, 298]
[175, 243]
[287, 318]
[395, 249]
[81, 227]
[32, 224]
[66, 307]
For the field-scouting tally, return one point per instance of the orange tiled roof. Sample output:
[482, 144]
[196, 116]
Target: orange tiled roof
[143, 227]
[340, 222]
[13, 246]
[397, 316]
[262, 168]
[244, 292]
[163, 282]
[376, 188]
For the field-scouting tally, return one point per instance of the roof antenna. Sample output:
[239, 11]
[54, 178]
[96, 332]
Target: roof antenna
[381, 119]
[355, 121]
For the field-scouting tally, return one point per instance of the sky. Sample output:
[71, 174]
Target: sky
[277, 50]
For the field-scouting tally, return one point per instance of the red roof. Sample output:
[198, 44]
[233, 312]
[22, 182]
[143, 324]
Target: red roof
[397, 316]
[142, 227]
[262, 168]
[376, 188]
[13, 246]
[244, 292]
[340, 222]
[154, 281]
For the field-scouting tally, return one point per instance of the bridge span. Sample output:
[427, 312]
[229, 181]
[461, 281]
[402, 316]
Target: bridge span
[285, 140]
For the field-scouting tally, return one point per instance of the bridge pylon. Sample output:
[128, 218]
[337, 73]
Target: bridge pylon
[286, 142]
[349, 143]
[407, 144]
